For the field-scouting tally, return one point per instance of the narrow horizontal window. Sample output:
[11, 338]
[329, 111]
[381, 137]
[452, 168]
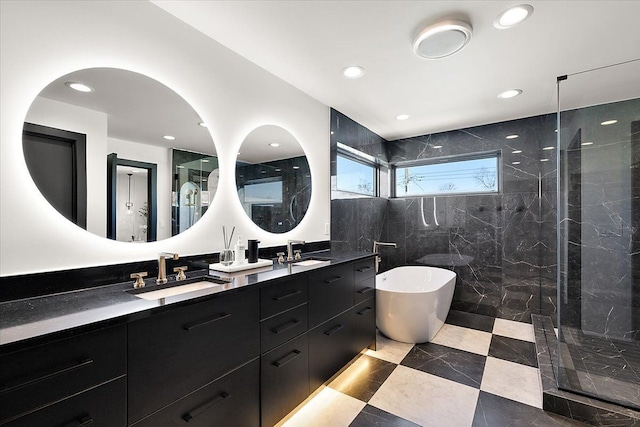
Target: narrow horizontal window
[454, 175]
[355, 176]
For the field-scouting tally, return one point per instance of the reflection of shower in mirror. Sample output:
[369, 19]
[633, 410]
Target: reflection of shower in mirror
[189, 205]
[435, 216]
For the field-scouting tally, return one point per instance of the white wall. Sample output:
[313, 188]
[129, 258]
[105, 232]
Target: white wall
[41, 41]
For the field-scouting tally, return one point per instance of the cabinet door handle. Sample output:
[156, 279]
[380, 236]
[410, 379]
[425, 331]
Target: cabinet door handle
[59, 371]
[200, 409]
[286, 359]
[333, 279]
[365, 290]
[363, 269]
[285, 326]
[80, 422]
[364, 311]
[194, 325]
[334, 330]
[281, 297]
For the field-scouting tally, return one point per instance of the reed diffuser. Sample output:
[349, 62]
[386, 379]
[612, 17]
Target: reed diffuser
[226, 255]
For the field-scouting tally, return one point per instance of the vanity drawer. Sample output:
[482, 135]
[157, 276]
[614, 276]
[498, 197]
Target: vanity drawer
[103, 406]
[364, 269]
[34, 377]
[330, 293]
[278, 297]
[365, 289]
[281, 328]
[233, 400]
[364, 325]
[330, 348]
[173, 353]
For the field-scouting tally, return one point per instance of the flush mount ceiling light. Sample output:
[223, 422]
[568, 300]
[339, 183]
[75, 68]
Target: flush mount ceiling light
[80, 87]
[608, 122]
[512, 16]
[169, 137]
[442, 39]
[353, 72]
[274, 144]
[510, 93]
[402, 117]
[511, 136]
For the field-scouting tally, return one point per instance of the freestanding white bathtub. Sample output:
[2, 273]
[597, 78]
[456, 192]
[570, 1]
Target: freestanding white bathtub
[413, 302]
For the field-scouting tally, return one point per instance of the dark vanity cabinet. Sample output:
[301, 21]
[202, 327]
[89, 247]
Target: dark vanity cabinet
[177, 352]
[74, 381]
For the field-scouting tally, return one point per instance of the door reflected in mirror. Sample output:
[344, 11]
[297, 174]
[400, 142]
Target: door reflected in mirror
[141, 120]
[273, 179]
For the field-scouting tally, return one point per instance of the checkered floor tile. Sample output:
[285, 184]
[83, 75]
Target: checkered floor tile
[478, 371]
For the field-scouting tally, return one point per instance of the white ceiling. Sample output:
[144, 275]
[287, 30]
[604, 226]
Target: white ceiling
[307, 43]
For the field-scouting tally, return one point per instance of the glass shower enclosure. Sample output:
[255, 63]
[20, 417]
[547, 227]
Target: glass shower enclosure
[599, 234]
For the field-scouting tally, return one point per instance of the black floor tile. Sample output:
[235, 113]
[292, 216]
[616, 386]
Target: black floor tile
[371, 416]
[446, 362]
[470, 320]
[496, 411]
[513, 350]
[372, 372]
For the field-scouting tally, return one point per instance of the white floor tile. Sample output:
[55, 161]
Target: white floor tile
[389, 350]
[327, 408]
[518, 330]
[512, 381]
[426, 399]
[466, 339]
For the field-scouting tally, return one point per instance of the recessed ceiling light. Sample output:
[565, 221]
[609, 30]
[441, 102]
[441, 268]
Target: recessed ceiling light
[204, 160]
[515, 163]
[512, 136]
[442, 39]
[274, 144]
[203, 124]
[510, 93]
[278, 170]
[331, 132]
[353, 72]
[437, 146]
[608, 122]
[80, 87]
[512, 16]
[544, 160]
[587, 143]
[517, 151]
[169, 137]
[296, 167]
[402, 116]
[180, 167]
[548, 148]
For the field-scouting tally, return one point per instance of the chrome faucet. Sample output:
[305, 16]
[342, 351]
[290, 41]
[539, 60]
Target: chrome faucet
[162, 266]
[376, 244]
[290, 243]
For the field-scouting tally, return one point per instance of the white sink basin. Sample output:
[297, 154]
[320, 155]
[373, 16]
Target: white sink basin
[176, 290]
[309, 262]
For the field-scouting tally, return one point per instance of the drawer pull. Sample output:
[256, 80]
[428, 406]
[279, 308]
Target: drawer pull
[194, 325]
[334, 330]
[363, 269]
[365, 290]
[200, 409]
[364, 311]
[285, 326]
[333, 279]
[286, 359]
[83, 421]
[285, 296]
[60, 371]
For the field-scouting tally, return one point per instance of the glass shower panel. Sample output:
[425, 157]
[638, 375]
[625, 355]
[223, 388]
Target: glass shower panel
[599, 235]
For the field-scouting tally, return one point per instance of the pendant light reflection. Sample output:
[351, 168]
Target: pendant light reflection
[129, 204]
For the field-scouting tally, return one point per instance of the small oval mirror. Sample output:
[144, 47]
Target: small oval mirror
[273, 179]
[120, 154]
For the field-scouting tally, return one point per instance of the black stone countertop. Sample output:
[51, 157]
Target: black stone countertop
[26, 320]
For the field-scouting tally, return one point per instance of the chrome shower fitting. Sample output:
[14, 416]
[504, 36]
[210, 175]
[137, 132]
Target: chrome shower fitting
[376, 244]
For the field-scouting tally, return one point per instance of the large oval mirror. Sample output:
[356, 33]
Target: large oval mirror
[120, 154]
[273, 179]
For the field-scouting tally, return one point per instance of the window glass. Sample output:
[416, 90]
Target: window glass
[355, 177]
[479, 175]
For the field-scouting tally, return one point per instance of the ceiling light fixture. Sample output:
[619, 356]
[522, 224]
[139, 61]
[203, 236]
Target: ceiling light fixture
[274, 144]
[442, 39]
[80, 87]
[510, 93]
[296, 167]
[515, 163]
[517, 151]
[353, 72]
[511, 136]
[548, 148]
[544, 160]
[402, 116]
[587, 143]
[169, 137]
[608, 122]
[513, 16]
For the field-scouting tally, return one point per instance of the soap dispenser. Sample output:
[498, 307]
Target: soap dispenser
[239, 252]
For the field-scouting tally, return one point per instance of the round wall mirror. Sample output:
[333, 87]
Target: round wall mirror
[120, 155]
[273, 179]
